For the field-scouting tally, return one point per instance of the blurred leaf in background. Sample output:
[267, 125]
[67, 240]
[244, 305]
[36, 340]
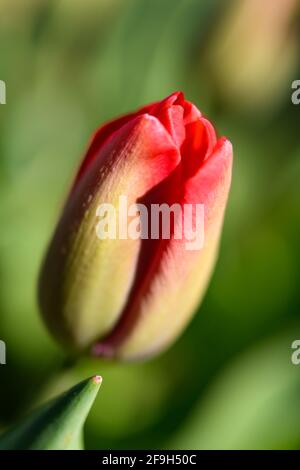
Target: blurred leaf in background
[255, 404]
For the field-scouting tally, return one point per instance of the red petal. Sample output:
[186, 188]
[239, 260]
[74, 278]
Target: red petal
[155, 312]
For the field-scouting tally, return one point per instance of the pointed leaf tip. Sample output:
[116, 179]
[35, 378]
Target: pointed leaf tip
[97, 379]
[57, 425]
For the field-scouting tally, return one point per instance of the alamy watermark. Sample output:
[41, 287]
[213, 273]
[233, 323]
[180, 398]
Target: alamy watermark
[2, 343]
[160, 221]
[2, 92]
[2, 352]
[295, 357]
[296, 93]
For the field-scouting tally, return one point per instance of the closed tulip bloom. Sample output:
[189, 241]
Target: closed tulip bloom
[130, 297]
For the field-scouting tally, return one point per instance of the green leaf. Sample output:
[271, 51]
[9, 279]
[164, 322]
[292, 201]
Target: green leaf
[57, 425]
[253, 404]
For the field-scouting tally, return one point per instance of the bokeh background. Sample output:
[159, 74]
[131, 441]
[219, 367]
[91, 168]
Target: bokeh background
[69, 65]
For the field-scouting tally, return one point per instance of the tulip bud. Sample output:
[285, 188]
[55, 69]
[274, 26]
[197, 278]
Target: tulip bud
[131, 296]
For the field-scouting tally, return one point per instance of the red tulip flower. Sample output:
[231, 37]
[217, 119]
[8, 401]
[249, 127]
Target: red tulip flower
[131, 297]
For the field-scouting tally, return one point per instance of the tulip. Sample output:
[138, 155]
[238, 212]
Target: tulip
[253, 56]
[131, 297]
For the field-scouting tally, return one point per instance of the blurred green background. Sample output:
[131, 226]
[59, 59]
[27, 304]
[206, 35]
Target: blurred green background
[69, 65]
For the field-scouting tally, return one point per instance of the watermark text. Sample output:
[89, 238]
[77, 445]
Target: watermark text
[159, 221]
[2, 92]
[2, 352]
